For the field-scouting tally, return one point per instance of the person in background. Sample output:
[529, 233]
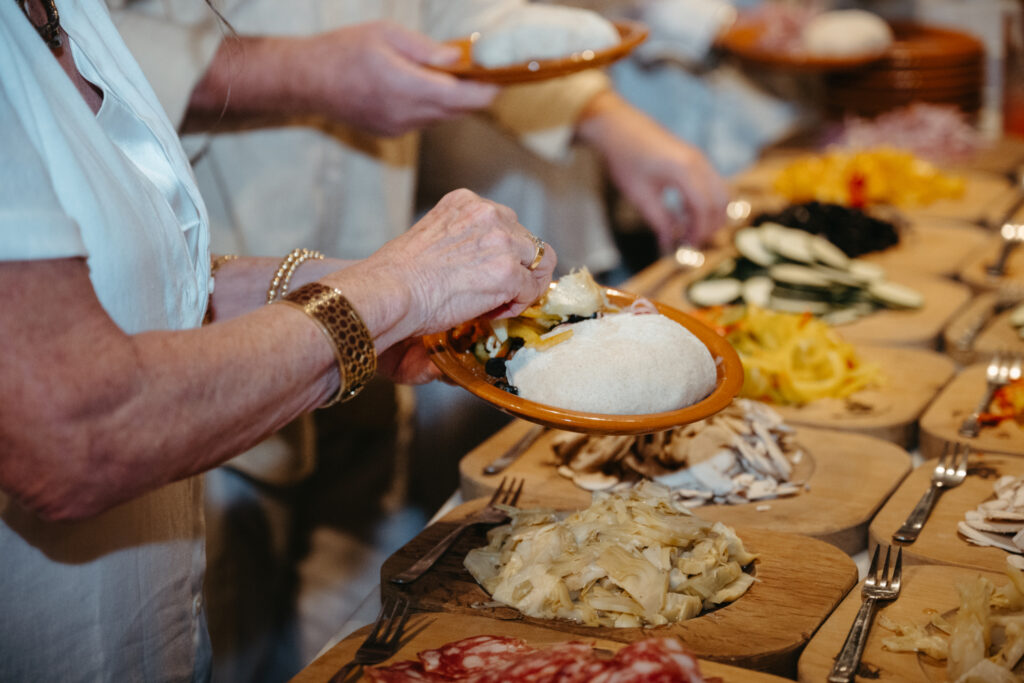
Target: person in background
[115, 396]
[304, 119]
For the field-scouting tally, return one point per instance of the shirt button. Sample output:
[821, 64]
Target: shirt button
[197, 605]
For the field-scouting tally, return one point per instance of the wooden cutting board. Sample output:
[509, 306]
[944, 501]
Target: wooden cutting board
[925, 591]
[431, 630]
[800, 580]
[939, 542]
[931, 245]
[831, 510]
[975, 275]
[978, 331]
[920, 328]
[890, 412]
[942, 419]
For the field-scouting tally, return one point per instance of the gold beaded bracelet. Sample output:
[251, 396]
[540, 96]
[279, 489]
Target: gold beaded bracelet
[351, 340]
[295, 258]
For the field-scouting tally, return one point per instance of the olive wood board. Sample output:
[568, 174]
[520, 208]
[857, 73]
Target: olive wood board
[981, 329]
[925, 592]
[830, 510]
[431, 630]
[800, 580]
[939, 542]
[941, 421]
[975, 275]
[943, 298]
[936, 246]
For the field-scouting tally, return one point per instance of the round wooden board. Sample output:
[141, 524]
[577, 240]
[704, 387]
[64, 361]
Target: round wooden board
[934, 246]
[923, 327]
[978, 331]
[925, 591]
[939, 542]
[941, 421]
[800, 580]
[831, 510]
[985, 194]
[431, 630]
[975, 275]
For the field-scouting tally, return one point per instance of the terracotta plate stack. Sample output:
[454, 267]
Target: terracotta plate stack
[924, 64]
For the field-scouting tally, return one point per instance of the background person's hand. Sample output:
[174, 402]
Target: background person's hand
[373, 76]
[648, 164]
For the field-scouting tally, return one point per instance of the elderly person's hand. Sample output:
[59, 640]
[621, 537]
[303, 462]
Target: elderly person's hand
[373, 76]
[466, 257]
[645, 160]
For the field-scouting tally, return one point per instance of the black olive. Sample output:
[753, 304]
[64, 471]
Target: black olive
[495, 367]
[515, 343]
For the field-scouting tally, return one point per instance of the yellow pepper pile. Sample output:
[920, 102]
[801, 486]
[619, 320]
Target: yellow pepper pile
[883, 175]
[791, 359]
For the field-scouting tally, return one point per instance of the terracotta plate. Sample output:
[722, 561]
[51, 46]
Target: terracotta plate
[465, 370]
[743, 40]
[632, 33]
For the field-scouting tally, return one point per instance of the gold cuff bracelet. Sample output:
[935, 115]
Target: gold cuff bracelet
[352, 343]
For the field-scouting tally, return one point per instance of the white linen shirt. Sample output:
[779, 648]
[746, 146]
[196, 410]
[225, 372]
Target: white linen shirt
[115, 597]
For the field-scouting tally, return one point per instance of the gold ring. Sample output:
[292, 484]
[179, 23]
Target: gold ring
[539, 256]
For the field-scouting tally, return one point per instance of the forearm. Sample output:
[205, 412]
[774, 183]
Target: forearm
[252, 79]
[102, 416]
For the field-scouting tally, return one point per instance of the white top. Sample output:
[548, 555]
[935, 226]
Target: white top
[116, 597]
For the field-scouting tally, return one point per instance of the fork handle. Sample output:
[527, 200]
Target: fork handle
[918, 516]
[972, 424]
[845, 668]
[427, 561]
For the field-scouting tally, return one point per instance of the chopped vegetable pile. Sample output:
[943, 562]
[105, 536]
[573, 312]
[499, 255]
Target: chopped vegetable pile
[859, 178]
[631, 559]
[1007, 404]
[791, 358]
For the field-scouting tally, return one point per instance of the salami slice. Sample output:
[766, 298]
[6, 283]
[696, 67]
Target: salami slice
[403, 672]
[472, 655]
[655, 660]
[539, 666]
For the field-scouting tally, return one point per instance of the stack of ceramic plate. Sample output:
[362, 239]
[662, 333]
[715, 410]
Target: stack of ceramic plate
[924, 64]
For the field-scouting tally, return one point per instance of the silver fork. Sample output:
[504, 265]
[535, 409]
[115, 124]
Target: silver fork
[950, 471]
[1001, 370]
[876, 588]
[384, 638]
[488, 515]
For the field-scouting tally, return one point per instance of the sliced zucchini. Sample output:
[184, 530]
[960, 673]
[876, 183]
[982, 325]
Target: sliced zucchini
[828, 253]
[839, 277]
[788, 305]
[716, 292]
[793, 244]
[865, 271]
[842, 316]
[749, 244]
[798, 276]
[757, 291]
[723, 269]
[895, 295]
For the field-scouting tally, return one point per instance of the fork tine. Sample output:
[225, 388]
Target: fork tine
[513, 496]
[399, 625]
[897, 571]
[885, 570]
[385, 607]
[943, 463]
[873, 569]
[498, 492]
[965, 454]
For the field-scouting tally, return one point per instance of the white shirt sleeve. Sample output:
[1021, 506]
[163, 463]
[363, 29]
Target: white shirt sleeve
[33, 224]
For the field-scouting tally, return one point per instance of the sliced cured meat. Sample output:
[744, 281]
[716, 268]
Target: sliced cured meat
[655, 660]
[541, 666]
[472, 655]
[403, 672]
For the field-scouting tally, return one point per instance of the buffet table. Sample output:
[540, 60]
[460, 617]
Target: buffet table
[862, 474]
